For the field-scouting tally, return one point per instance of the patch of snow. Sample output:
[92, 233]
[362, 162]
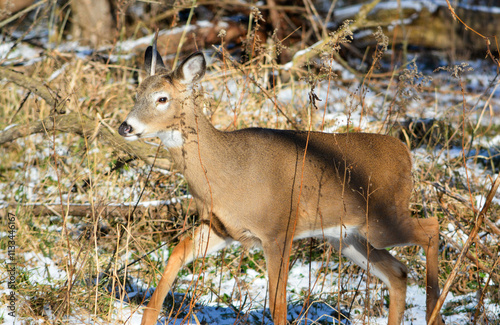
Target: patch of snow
[58, 72]
[129, 45]
[480, 201]
[344, 13]
[9, 126]
[44, 271]
[21, 52]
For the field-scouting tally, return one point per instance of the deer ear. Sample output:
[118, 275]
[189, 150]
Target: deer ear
[192, 69]
[149, 61]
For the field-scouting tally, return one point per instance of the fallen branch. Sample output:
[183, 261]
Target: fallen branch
[108, 210]
[89, 128]
[33, 85]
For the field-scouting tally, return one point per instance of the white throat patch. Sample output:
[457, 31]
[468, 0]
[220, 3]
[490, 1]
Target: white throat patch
[171, 138]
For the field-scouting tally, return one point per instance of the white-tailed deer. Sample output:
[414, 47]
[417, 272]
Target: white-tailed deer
[268, 187]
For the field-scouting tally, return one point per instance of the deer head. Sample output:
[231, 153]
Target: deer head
[161, 97]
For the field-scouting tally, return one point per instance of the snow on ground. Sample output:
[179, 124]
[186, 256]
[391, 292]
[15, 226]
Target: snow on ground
[253, 300]
[253, 297]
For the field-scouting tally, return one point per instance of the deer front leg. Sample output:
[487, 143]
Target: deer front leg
[203, 242]
[277, 257]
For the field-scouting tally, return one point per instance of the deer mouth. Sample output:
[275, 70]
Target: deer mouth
[132, 137]
[127, 131]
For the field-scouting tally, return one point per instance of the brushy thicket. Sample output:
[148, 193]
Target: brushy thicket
[95, 247]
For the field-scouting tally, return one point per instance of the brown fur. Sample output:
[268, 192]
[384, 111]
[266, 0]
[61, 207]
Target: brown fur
[251, 186]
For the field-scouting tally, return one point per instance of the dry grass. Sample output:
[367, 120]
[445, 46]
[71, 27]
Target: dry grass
[92, 251]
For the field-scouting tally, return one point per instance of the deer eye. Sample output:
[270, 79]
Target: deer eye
[162, 100]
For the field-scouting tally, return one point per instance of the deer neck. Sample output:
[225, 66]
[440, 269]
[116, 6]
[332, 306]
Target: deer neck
[201, 146]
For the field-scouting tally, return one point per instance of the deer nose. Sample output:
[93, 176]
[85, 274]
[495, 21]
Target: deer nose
[124, 129]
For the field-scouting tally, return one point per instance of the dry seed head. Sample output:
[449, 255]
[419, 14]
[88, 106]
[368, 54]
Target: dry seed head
[342, 36]
[456, 70]
[222, 33]
[382, 43]
[257, 16]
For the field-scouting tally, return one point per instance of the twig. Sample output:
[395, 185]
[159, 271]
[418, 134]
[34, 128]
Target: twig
[469, 255]
[183, 36]
[264, 91]
[20, 13]
[136, 205]
[465, 201]
[483, 291]
[461, 227]
[486, 39]
[20, 106]
[359, 22]
[470, 239]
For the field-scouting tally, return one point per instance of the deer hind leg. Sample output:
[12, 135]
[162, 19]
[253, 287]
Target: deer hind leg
[426, 235]
[421, 232]
[381, 264]
[203, 242]
[277, 256]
